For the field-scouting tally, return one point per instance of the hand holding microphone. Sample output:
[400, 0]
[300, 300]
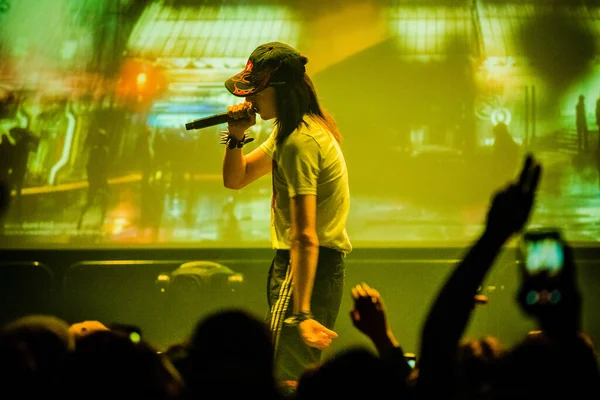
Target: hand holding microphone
[241, 117]
[238, 113]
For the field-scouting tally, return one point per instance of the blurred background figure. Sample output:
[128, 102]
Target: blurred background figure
[25, 142]
[506, 154]
[581, 122]
[97, 175]
[5, 170]
[6, 153]
[598, 113]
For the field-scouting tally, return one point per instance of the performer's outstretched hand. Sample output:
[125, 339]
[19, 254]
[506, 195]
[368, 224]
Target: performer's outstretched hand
[315, 334]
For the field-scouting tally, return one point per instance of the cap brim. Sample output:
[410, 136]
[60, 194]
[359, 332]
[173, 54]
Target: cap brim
[239, 84]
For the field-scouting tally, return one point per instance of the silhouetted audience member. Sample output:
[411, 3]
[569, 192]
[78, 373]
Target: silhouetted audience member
[477, 359]
[369, 316]
[581, 124]
[559, 359]
[230, 356]
[108, 364]
[554, 365]
[354, 373]
[439, 372]
[545, 367]
[34, 352]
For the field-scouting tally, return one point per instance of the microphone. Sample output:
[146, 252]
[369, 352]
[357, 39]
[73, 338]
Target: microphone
[205, 122]
[213, 120]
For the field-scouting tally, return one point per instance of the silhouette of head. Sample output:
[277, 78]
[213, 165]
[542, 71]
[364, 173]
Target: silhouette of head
[33, 355]
[117, 367]
[544, 367]
[476, 360]
[500, 129]
[230, 346]
[353, 373]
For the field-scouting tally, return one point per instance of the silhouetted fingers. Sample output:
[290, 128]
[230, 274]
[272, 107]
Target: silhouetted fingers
[361, 291]
[372, 293]
[535, 178]
[524, 176]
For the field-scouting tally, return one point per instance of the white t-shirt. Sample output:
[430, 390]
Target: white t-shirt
[310, 161]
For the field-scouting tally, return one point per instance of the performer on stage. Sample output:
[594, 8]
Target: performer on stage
[310, 201]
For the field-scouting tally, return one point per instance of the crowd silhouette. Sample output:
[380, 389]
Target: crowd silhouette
[229, 353]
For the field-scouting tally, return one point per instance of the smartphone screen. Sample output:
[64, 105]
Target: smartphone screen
[542, 253]
[411, 359]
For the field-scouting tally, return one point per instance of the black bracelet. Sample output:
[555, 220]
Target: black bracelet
[299, 317]
[232, 142]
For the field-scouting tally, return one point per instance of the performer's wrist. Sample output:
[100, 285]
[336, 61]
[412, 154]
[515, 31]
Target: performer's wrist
[238, 134]
[299, 317]
[232, 141]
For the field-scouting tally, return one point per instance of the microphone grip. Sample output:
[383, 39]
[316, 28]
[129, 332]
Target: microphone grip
[205, 122]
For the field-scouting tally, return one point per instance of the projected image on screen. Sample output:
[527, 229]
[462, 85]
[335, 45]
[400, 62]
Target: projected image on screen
[437, 104]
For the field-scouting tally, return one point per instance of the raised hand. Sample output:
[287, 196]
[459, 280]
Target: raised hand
[511, 207]
[369, 314]
[314, 334]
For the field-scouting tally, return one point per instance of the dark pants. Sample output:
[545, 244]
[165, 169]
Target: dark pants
[292, 356]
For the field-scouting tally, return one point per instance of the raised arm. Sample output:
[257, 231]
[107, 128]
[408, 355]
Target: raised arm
[448, 318]
[369, 316]
[238, 169]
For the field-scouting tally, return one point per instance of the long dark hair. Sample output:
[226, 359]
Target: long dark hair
[294, 101]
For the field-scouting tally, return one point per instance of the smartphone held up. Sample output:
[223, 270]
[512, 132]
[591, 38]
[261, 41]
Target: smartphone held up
[542, 251]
